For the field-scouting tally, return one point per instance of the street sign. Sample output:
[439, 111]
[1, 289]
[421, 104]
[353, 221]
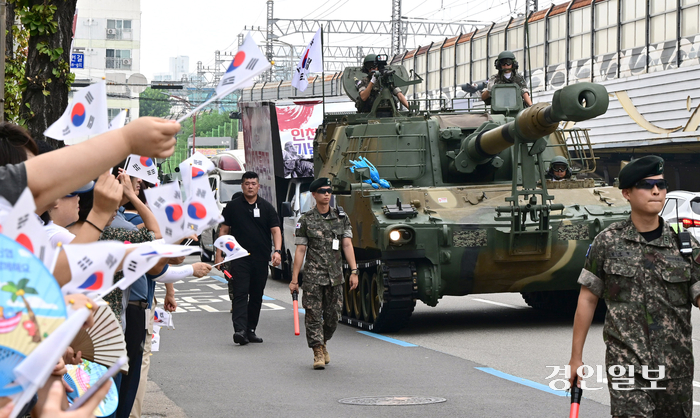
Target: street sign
[77, 60]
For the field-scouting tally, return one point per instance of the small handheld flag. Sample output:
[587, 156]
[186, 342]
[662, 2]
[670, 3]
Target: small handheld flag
[85, 115]
[92, 266]
[142, 167]
[201, 211]
[166, 204]
[311, 61]
[295, 303]
[230, 247]
[118, 122]
[194, 167]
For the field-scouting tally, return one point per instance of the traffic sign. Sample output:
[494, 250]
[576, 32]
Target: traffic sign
[77, 60]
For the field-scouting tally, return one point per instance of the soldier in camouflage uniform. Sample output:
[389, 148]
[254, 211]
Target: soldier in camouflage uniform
[648, 286]
[323, 232]
[369, 89]
[507, 67]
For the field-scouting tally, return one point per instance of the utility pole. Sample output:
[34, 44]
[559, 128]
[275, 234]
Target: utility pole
[396, 33]
[270, 33]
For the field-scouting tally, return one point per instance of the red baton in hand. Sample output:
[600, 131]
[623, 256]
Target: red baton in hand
[576, 394]
[227, 274]
[295, 303]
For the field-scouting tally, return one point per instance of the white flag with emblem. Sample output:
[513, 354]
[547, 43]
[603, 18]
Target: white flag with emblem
[165, 202]
[22, 225]
[248, 62]
[194, 167]
[86, 114]
[230, 247]
[142, 167]
[92, 266]
[145, 256]
[311, 61]
[202, 211]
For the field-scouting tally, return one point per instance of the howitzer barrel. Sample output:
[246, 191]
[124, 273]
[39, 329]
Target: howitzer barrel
[577, 102]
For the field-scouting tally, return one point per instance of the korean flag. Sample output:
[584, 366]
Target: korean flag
[201, 210]
[145, 256]
[166, 204]
[142, 167]
[92, 266]
[194, 167]
[230, 247]
[248, 62]
[22, 225]
[86, 115]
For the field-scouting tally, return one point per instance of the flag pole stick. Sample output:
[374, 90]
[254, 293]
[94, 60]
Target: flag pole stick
[323, 79]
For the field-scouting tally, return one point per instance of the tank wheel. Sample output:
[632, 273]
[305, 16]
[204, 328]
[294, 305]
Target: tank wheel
[365, 284]
[348, 305]
[376, 295]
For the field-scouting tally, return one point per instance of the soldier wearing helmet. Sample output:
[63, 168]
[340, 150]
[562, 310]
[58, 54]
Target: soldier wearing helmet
[507, 67]
[558, 169]
[369, 89]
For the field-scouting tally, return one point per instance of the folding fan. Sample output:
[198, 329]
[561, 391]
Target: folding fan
[31, 307]
[84, 375]
[103, 343]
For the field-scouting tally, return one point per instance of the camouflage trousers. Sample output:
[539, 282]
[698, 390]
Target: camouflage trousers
[675, 401]
[323, 305]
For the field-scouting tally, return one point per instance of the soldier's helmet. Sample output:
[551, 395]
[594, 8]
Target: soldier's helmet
[506, 55]
[559, 160]
[369, 62]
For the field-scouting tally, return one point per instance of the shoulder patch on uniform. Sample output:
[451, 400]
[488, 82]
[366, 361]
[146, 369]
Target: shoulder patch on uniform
[696, 255]
[298, 225]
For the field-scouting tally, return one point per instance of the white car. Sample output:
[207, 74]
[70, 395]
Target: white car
[683, 208]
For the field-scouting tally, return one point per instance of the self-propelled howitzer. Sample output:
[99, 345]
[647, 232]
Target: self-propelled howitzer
[468, 210]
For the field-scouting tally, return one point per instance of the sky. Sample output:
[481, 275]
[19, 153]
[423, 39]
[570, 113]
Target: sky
[198, 28]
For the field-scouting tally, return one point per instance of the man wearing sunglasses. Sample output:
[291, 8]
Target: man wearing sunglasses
[648, 286]
[323, 232]
[558, 169]
[507, 67]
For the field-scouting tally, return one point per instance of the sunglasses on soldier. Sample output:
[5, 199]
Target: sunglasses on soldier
[559, 168]
[648, 184]
[506, 61]
[325, 190]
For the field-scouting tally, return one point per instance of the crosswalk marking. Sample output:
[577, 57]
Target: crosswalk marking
[208, 308]
[217, 287]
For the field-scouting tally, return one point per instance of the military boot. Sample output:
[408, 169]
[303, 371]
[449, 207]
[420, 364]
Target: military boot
[326, 356]
[319, 362]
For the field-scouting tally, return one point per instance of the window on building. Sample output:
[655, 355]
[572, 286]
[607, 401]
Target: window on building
[479, 65]
[448, 64]
[690, 19]
[556, 34]
[606, 27]
[633, 23]
[118, 29]
[515, 38]
[663, 21]
[420, 69]
[112, 113]
[496, 46]
[118, 59]
[580, 33]
[535, 32]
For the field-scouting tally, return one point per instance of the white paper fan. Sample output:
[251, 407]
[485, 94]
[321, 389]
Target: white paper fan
[103, 343]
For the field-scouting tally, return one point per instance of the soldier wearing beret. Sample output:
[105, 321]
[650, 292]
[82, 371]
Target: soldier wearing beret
[637, 267]
[323, 232]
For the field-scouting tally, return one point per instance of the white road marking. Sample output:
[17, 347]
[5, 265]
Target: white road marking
[208, 308]
[271, 306]
[217, 287]
[696, 384]
[498, 303]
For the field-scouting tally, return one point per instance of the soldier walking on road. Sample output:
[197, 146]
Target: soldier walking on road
[323, 232]
[648, 285]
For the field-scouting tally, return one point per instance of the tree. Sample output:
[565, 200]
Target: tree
[47, 71]
[19, 290]
[154, 103]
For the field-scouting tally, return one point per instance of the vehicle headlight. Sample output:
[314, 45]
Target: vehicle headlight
[400, 236]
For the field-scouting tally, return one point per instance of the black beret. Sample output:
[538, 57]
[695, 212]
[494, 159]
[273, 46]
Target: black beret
[319, 182]
[641, 168]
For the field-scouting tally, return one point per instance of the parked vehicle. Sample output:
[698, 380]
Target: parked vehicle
[682, 211]
[225, 181]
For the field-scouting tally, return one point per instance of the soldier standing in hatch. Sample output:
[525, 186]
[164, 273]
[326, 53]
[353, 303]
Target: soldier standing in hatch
[369, 89]
[648, 286]
[507, 67]
[323, 232]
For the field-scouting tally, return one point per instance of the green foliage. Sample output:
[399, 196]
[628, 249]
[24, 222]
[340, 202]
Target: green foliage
[14, 75]
[154, 103]
[38, 19]
[205, 123]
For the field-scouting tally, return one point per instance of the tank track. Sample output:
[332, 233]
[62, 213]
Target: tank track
[399, 296]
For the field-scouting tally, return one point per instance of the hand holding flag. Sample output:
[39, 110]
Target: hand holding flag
[166, 204]
[142, 167]
[230, 247]
[92, 266]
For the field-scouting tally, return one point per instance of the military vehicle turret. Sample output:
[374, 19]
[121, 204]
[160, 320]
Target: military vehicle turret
[468, 210]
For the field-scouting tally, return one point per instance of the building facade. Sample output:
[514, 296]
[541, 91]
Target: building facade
[108, 35]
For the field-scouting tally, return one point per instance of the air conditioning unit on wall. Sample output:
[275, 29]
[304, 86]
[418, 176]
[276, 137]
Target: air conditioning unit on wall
[126, 61]
[111, 31]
